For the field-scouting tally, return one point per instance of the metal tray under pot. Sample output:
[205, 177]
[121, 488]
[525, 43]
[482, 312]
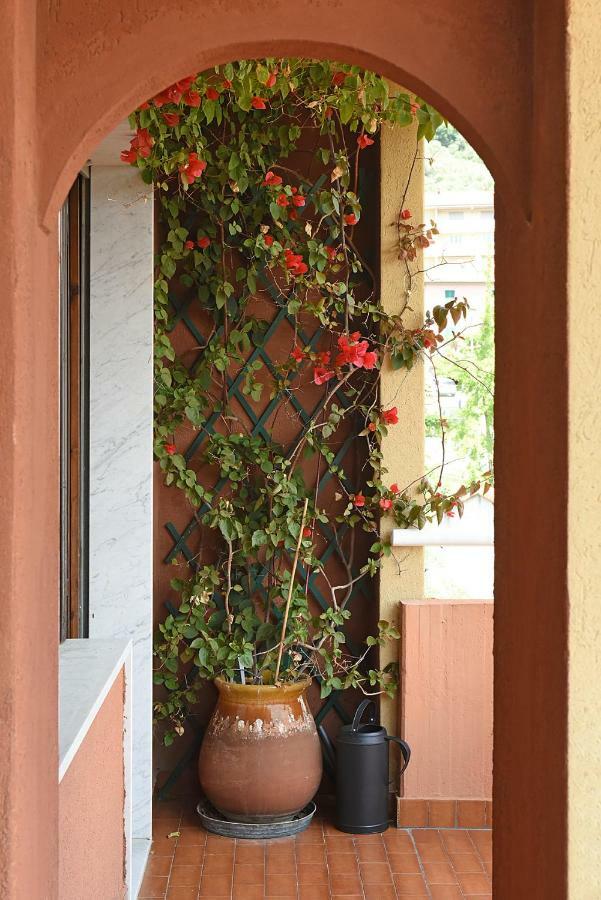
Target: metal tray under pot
[214, 822]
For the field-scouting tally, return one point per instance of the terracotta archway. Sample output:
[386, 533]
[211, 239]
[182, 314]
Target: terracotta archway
[496, 69]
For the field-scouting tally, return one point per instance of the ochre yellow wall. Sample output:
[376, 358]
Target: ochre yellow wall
[404, 447]
[584, 548]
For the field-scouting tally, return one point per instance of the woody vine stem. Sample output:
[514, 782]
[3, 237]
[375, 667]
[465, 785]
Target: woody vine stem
[257, 167]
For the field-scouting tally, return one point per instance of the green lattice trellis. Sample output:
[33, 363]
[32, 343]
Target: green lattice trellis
[332, 705]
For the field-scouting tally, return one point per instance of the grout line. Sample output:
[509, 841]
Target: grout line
[419, 860]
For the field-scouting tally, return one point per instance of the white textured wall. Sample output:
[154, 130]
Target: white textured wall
[121, 330]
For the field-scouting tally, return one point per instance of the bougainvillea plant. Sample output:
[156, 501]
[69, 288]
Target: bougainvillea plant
[220, 149]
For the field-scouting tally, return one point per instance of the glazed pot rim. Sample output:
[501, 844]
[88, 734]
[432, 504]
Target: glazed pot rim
[288, 687]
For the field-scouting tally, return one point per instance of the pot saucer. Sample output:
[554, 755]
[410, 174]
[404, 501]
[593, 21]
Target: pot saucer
[214, 822]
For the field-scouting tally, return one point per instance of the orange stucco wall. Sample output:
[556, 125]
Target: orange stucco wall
[91, 847]
[446, 699]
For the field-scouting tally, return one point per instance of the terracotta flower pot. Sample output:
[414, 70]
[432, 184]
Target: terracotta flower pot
[260, 758]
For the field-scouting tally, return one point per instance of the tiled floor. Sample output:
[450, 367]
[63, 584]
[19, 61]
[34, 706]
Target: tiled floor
[319, 863]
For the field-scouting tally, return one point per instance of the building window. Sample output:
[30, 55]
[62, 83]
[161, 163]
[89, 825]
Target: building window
[449, 294]
[456, 214]
[74, 279]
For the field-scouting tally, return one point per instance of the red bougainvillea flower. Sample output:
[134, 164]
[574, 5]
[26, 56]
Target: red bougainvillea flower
[171, 118]
[297, 354]
[406, 214]
[258, 103]
[328, 112]
[129, 156]
[364, 141]
[321, 374]
[194, 168]
[391, 416]
[211, 94]
[295, 263]
[371, 426]
[271, 80]
[192, 98]
[351, 219]
[170, 449]
[139, 147]
[271, 179]
[370, 359]
[385, 503]
[298, 200]
[293, 215]
[394, 488]
[226, 83]
[282, 200]
[204, 242]
[144, 105]
[268, 238]
[324, 357]
[338, 78]
[359, 500]
[189, 245]
[414, 108]
[355, 352]
[307, 532]
[331, 252]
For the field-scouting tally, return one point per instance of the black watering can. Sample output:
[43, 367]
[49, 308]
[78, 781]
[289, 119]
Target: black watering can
[361, 768]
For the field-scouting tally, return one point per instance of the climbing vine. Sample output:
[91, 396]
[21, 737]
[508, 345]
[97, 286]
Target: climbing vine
[237, 212]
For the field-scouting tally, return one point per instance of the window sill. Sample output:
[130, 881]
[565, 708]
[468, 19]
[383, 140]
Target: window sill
[87, 671]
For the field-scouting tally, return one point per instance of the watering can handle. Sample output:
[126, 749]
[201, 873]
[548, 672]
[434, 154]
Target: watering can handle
[359, 713]
[405, 750]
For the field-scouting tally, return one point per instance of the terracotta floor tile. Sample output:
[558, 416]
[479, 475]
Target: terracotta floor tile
[167, 809]
[163, 846]
[457, 841]
[192, 837]
[341, 884]
[185, 875]
[153, 886]
[340, 844]
[483, 843]
[182, 892]
[471, 813]
[410, 886]
[313, 892]
[375, 873]
[311, 837]
[248, 892]
[311, 853]
[252, 873]
[311, 873]
[161, 828]
[371, 853]
[189, 856]
[432, 853]
[280, 886]
[475, 883]
[439, 873]
[218, 864]
[423, 836]
[379, 891]
[250, 854]
[397, 840]
[466, 862]
[445, 892]
[280, 865]
[403, 863]
[343, 863]
[214, 887]
[478, 896]
[218, 844]
[159, 865]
